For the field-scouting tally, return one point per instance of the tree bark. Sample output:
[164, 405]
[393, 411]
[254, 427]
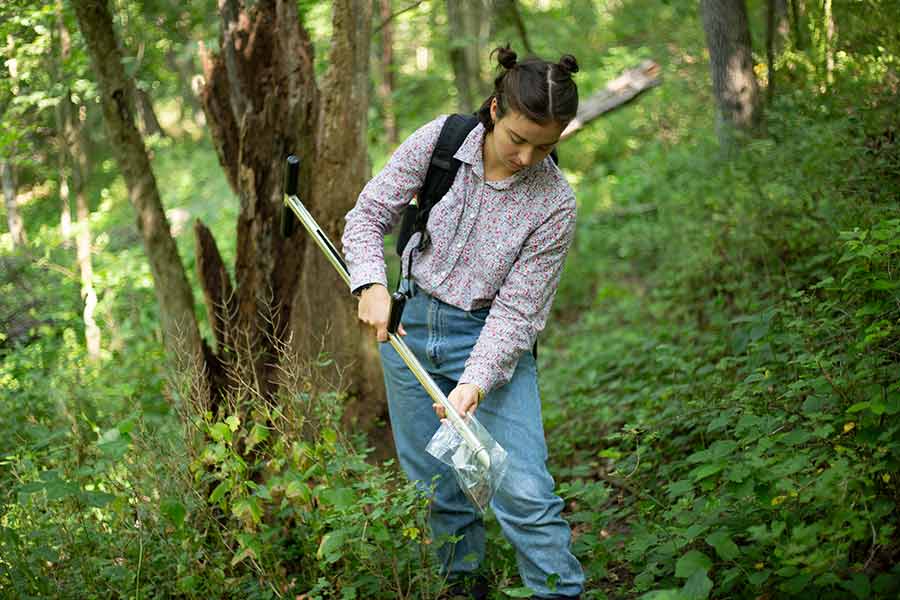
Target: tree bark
[13, 218]
[829, 43]
[341, 171]
[387, 85]
[65, 46]
[468, 25]
[262, 103]
[731, 64]
[149, 121]
[509, 11]
[173, 293]
[796, 19]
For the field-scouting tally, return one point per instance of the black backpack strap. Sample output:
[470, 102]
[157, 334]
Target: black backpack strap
[441, 172]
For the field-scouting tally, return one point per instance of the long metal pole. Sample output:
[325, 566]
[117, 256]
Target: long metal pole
[337, 261]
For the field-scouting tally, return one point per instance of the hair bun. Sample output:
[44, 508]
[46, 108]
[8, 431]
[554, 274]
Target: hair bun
[506, 57]
[568, 64]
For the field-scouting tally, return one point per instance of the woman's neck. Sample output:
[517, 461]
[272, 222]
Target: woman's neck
[493, 168]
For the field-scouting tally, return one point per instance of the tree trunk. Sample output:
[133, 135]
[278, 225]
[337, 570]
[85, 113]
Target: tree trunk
[468, 24]
[173, 292]
[508, 10]
[731, 63]
[65, 47]
[341, 171]
[386, 87]
[829, 44]
[16, 228]
[796, 19]
[262, 103]
[74, 159]
[149, 121]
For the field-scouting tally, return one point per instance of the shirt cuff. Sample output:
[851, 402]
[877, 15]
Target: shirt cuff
[481, 376]
[370, 273]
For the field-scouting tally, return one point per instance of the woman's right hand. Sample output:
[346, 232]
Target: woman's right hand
[375, 309]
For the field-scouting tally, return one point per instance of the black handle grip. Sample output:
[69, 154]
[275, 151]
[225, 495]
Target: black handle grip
[292, 175]
[288, 220]
[291, 179]
[398, 301]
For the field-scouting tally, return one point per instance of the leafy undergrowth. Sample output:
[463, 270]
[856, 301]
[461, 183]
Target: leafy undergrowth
[722, 386]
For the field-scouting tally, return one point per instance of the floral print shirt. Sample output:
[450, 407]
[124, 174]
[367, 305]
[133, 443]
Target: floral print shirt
[500, 244]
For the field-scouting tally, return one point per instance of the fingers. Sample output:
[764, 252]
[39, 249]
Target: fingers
[400, 329]
[381, 332]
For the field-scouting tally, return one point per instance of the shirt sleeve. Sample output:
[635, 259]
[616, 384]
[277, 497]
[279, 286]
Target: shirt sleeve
[381, 203]
[522, 305]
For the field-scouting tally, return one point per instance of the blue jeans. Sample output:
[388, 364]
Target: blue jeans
[442, 336]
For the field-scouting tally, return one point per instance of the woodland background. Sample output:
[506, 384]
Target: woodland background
[189, 410]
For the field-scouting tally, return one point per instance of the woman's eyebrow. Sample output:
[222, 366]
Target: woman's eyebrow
[521, 137]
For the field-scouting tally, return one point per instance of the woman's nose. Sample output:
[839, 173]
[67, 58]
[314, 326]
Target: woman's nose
[526, 156]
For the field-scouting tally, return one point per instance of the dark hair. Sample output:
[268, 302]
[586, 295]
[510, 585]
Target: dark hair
[535, 88]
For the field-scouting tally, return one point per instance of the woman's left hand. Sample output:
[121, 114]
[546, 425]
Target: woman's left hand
[464, 398]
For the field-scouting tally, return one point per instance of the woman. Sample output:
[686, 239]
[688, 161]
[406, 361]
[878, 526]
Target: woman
[480, 294]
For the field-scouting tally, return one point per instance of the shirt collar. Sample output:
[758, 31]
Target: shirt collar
[470, 153]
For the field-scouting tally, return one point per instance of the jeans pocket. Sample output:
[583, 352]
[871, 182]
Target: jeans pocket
[478, 315]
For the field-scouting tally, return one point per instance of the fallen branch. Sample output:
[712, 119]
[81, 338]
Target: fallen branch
[618, 92]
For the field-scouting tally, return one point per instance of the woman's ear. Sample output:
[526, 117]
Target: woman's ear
[494, 110]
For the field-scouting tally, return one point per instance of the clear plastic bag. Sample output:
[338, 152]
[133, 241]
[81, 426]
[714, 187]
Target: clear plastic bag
[476, 480]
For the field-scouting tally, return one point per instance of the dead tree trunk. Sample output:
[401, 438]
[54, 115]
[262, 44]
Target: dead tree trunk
[173, 292]
[262, 103]
[731, 63]
[618, 92]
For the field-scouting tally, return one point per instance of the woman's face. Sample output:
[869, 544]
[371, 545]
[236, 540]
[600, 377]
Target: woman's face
[520, 142]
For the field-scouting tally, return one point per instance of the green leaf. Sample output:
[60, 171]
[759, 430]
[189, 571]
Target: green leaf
[220, 491]
[859, 586]
[698, 586]
[759, 578]
[329, 547]
[519, 592]
[247, 509]
[692, 562]
[257, 434]
[341, 498]
[233, 423]
[242, 554]
[220, 432]
[705, 471]
[330, 436]
[724, 545]
[670, 594]
[297, 489]
[174, 511]
[96, 499]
